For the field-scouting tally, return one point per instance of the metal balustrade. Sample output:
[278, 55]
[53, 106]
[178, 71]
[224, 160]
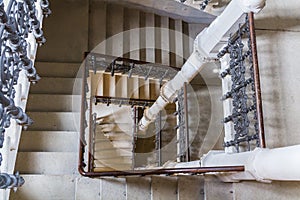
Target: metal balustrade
[8, 181]
[117, 65]
[18, 23]
[182, 127]
[246, 105]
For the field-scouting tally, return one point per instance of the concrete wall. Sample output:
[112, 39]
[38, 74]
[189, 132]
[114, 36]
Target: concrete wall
[278, 27]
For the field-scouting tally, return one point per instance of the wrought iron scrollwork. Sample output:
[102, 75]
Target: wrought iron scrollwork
[204, 4]
[17, 23]
[242, 90]
[8, 181]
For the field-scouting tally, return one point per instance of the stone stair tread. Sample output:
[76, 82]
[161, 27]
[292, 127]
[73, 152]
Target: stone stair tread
[53, 163]
[51, 85]
[111, 153]
[109, 150]
[105, 163]
[114, 144]
[63, 102]
[46, 187]
[113, 162]
[118, 168]
[113, 137]
[47, 141]
[113, 166]
[56, 69]
[54, 121]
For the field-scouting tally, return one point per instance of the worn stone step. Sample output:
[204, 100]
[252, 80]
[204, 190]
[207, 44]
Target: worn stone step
[54, 121]
[113, 160]
[100, 167]
[46, 187]
[100, 145]
[115, 127]
[49, 141]
[112, 137]
[55, 69]
[53, 163]
[49, 85]
[111, 153]
[59, 102]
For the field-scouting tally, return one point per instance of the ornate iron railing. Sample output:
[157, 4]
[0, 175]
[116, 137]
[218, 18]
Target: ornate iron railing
[182, 126]
[246, 114]
[18, 22]
[8, 181]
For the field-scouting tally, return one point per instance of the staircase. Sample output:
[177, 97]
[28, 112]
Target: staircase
[114, 137]
[48, 152]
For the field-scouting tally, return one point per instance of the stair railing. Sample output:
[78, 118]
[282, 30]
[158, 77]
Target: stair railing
[243, 120]
[98, 62]
[183, 144]
[20, 32]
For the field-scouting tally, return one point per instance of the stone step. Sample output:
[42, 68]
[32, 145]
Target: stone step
[46, 187]
[111, 153]
[116, 127]
[52, 163]
[49, 85]
[115, 164]
[99, 137]
[103, 145]
[49, 141]
[116, 160]
[106, 166]
[54, 69]
[54, 121]
[60, 102]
